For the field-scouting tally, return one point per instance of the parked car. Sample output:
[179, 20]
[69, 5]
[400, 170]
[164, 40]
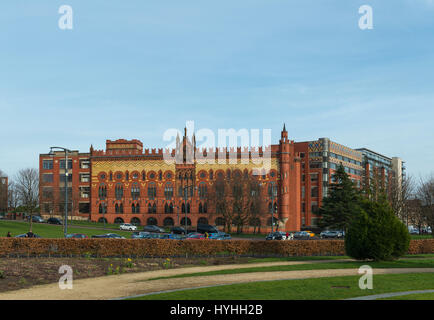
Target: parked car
[331, 234]
[195, 236]
[224, 236]
[277, 235]
[108, 235]
[28, 235]
[302, 235]
[37, 219]
[140, 235]
[76, 236]
[202, 228]
[178, 230]
[312, 234]
[127, 226]
[54, 221]
[153, 228]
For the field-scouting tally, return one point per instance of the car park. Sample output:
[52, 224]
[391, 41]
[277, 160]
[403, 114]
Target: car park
[127, 226]
[153, 228]
[206, 228]
[140, 235]
[76, 236]
[331, 234]
[195, 236]
[54, 221]
[224, 236]
[37, 219]
[311, 234]
[302, 235]
[178, 230]
[28, 235]
[276, 235]
[108, 235]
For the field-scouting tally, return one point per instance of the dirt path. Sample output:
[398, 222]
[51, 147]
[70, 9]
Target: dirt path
[111, 287]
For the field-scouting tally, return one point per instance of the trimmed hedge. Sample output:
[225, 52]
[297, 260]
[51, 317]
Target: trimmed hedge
[170, 248]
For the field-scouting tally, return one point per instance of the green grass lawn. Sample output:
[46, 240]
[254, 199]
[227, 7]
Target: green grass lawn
[416, 263]
[51, 231]
[305, 289]
[416, 296]
[421, 236]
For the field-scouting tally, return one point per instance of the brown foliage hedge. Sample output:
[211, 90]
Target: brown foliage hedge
[166, 248]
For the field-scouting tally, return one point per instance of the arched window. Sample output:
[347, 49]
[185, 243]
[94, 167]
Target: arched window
[202, 190]
[183, 208]
[202, 220]
[183, 222]
[135, 191]
[119, 220]
[121, 208]
[116, 208]
[149, 207]
[137, 208]
[152, 191]
[188, 207]
[102, 191]
[171, 208]
[102, 207]
[166, 208]
[200, 208]
[133, 208]
[135, 221]
[119, 191]
[168, 222]
[151, 221]
[168, 191]
[220, 221]
[154, 208]
[205, 208]
[270, 208]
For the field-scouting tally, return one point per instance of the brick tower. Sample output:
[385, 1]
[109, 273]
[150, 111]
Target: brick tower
[289, 193]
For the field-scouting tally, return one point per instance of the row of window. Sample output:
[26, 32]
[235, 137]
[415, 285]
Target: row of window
[152, 208]
[346, 159]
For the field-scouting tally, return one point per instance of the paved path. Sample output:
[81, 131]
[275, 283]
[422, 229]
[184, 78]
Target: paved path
[389, 295]
[133, 284]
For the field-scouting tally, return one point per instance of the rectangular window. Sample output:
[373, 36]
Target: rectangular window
[314, 177]
[62, 164]
[314, 192]
[47, 177]
[84, 177]
[47, 164]
[62, 177]
[84, 163]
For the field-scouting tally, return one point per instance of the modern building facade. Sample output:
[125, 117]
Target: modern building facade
[126, 183]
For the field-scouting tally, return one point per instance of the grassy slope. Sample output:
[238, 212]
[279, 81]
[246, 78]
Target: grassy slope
[416, 296]
[306, 289]
[51, 231]
[416, 263]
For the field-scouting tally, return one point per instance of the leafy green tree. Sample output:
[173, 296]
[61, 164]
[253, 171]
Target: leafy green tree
[342, 203]
[376, 233]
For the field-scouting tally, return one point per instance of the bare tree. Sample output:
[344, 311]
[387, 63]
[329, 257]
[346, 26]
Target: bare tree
[27, 181]
[238, 199]
[401, 191]
[425, 193]
[13, 197]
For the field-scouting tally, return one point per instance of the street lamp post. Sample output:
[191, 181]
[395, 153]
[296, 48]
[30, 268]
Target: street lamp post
[65, 230]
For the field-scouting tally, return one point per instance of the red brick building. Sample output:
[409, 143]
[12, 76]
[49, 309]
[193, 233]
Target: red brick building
[126, 183]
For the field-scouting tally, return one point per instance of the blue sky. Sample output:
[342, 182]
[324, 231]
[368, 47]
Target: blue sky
[132, 69]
